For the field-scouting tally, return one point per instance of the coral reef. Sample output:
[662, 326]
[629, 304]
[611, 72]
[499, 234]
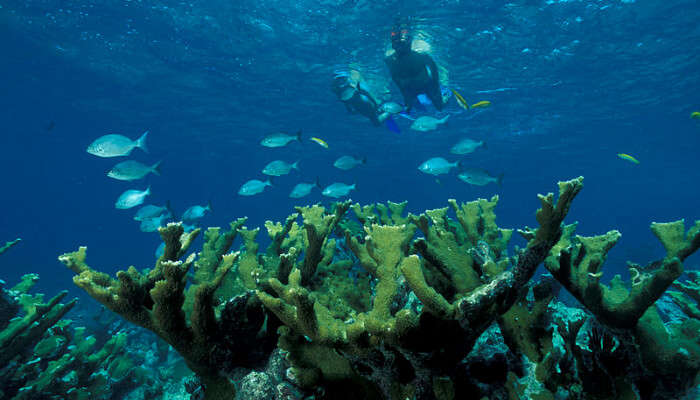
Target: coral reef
[154, 300]
[366, 301]
[9, 244]
[44, 357]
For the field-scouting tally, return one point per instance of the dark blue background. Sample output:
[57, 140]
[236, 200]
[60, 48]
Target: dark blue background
[211, 79]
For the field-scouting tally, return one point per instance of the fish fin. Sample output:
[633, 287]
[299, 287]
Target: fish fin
[299, 136]
[499, 180]
[141, 142]
[156, 168]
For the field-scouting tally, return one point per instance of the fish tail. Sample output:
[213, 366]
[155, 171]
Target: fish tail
[141, 142]
[363, 160]
[209, 206]
[299, 136]
[168, 207]
[499, 180]
[442, 121]
[296, 165]
[483, 144]
[156, 168]
[318, 183]
[148, 190]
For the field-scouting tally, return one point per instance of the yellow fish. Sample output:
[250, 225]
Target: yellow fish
[460, 100]
[481, 104]
[695, 115]
[320, 141]
[628, 157]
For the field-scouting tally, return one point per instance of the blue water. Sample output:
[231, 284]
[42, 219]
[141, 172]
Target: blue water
[571, 85]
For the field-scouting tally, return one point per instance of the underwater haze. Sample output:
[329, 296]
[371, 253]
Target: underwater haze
[604, 89]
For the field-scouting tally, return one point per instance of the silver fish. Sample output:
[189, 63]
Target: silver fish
[152, 224]
[336, 190]
[348, 162]
[160, 250]
[479, 177]
[116, 145]
[253, 186]
[280, 139]
[303, 189]
[392, 108]
[427, 123]
[195, 213]
[132, 198]
[151, 211]
[466, 146]
[132, 170]
[279, 168]
[437, 166]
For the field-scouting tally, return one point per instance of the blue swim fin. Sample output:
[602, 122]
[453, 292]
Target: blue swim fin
[392, 125]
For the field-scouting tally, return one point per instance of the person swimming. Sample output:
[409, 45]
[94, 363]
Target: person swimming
[357, 99]
[414, 73]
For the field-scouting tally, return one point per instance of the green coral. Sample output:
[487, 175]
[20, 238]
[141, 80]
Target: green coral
[154, 300]
[388, 332]
[43, 356]
[578, 267]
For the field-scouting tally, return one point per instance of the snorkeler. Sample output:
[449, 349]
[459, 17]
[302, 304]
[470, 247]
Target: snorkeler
[357, 99]
[414, 73]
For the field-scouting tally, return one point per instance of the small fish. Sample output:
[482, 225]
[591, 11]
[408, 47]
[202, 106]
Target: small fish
[253, 186]
[152, 224]
[160, 250]
[116, 145]
[479, 177]
[151, 211]
[481, 104]
[132, 198]
[337, 190]
[279, 168]
[466, 146]
[437, 166]
[628, 158]
[427, 123]
[392, 108]
[460, 100]
[349, 162]
[132, 170]
[695, 115]
[280, 139]
[195, 213]
[303, 189]
[320, 141]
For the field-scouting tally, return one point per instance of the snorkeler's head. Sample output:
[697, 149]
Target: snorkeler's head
[401, 39]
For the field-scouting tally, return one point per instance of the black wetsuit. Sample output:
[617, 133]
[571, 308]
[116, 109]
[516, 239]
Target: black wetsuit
[361, 101]
[415, 73]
